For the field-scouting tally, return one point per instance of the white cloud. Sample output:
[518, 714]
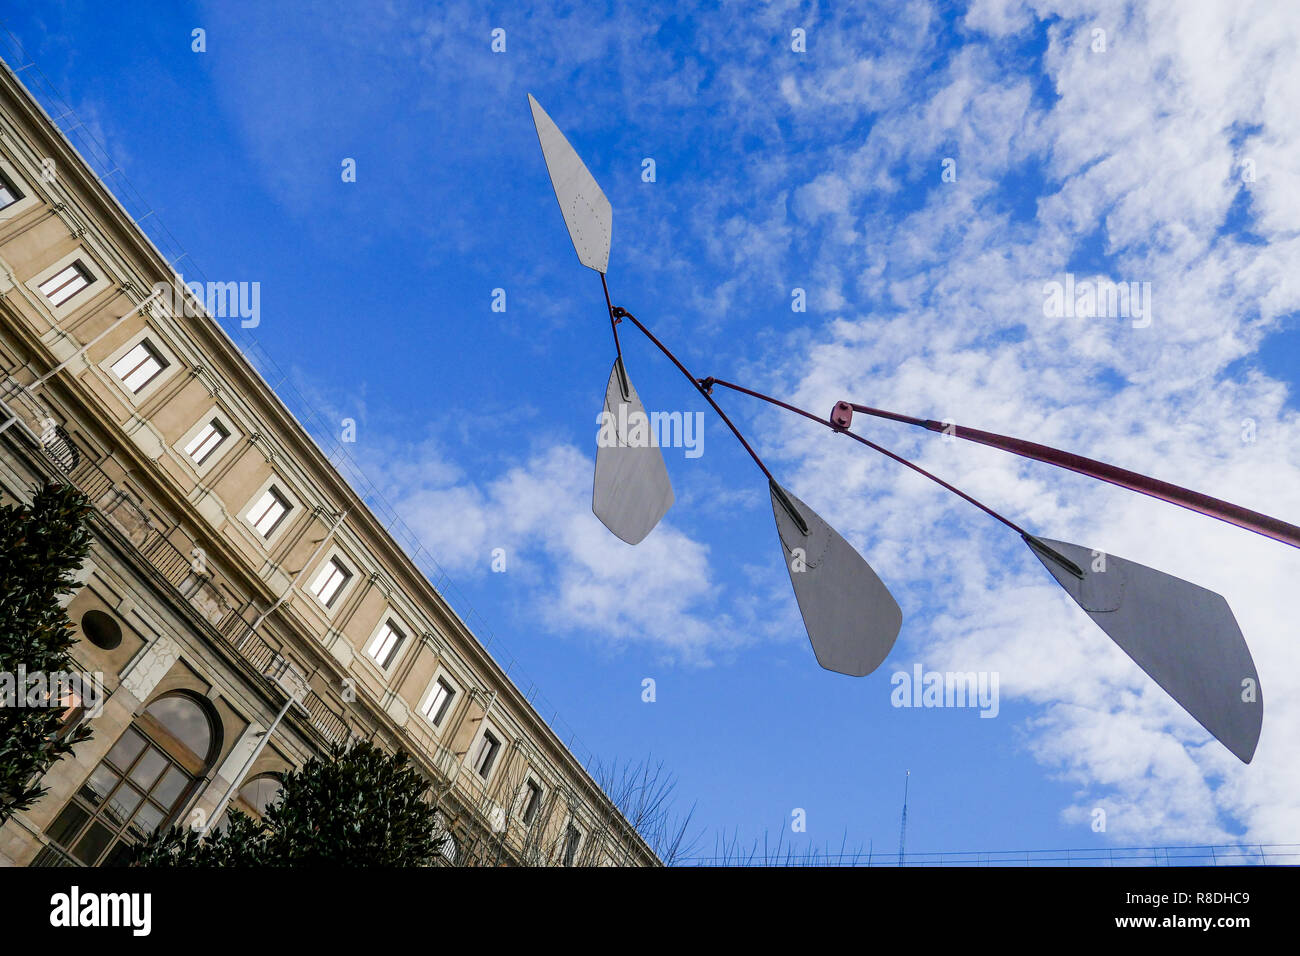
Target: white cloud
[662, 593]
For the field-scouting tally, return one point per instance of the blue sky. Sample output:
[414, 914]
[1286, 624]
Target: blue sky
[777, 170]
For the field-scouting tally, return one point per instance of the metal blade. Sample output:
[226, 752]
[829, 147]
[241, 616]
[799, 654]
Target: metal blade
[631, 491]
[851, 618]
[1182, 635]
[586, 211]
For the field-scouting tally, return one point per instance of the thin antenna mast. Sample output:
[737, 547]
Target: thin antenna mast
[902, 829]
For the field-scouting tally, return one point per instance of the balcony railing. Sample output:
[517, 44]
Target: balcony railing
[53, 855]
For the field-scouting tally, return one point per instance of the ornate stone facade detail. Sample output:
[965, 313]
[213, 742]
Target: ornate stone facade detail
[150, 667]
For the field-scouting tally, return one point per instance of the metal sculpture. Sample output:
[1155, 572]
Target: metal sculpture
[1182, 635]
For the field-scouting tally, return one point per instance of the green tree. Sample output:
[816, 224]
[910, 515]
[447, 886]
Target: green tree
[41, 547]
[356, 806]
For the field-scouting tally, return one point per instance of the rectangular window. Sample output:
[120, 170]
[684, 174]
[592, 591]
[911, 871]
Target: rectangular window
[269, 511]
[330, 581]
[487, 754]
[138, 367]
[532, 802]
[207, 441]
[62, 286]
[9, 193]
[439, 702]
[571, 840]
[384, 647]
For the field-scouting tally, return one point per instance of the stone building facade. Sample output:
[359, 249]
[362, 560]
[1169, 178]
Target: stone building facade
[235, 574]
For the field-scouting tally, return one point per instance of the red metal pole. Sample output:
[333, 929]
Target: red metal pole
[1263, 524]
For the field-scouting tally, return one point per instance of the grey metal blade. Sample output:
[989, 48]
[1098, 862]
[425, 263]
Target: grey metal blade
[586, 211]
[851, 618]
[1183, 635]
[631, 491]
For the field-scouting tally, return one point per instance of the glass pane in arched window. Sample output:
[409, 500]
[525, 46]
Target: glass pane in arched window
[260, 792]
[186, 721]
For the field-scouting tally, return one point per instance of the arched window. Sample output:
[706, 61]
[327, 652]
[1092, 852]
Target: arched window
[258, 794]
[186, 721]
[253, 799]
[139, 786]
